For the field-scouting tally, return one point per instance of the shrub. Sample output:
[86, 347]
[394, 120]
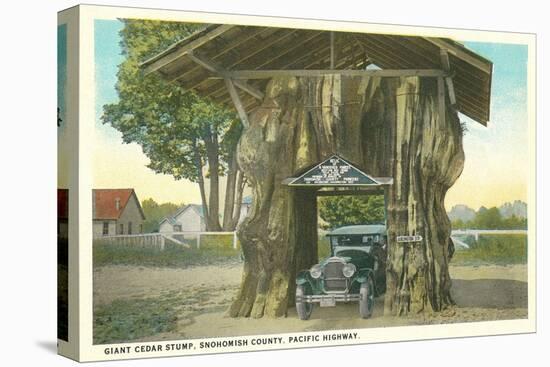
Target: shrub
[494, 249]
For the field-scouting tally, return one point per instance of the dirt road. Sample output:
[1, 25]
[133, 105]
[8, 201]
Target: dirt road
[482, 293]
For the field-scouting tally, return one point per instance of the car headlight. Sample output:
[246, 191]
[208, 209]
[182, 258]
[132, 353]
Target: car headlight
[315, 271]
[348, 270]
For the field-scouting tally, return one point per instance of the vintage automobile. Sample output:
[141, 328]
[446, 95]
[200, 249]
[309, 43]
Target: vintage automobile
[355, 271]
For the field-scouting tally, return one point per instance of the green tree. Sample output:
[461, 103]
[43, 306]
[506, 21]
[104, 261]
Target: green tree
[182, 135]
[155, 212]
[458, 224]
[488, 218]
[514, 222]
[340, 211]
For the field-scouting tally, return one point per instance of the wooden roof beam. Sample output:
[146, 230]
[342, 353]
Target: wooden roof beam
[264, 74]
[159, 61]
[230, 46]
[195, 82]
[442, 44]
[213, 67]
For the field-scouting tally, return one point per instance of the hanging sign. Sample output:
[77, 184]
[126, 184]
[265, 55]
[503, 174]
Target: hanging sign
[416, 238]
[334, 171]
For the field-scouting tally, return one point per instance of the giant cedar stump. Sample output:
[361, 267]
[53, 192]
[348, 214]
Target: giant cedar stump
[387, 127]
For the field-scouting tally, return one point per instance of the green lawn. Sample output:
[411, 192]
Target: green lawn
[127, 320]
[214, 249]
[493, 249]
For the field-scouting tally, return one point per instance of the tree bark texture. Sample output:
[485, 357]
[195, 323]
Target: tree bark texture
[229, 203]
[212, 149]
[387, 127]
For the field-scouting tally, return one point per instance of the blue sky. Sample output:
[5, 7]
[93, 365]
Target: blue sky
[495, 170]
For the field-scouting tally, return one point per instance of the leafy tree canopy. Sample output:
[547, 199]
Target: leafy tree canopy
[155, 212]
[491, 218]
[168, 122]
[180, 133]
[338, 211]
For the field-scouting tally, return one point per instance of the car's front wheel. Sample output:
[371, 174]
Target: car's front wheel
[303, 308]
[366, 303]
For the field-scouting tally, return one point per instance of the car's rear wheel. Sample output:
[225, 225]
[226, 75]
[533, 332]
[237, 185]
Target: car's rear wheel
[366, 303]
[303, 308]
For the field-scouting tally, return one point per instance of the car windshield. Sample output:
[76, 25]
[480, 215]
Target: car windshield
[355, 240]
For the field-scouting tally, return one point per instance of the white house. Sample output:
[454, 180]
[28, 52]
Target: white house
[190, 218]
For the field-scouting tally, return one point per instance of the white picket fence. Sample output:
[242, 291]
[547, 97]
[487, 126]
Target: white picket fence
[457, 233]
[477, 232]
[159, 240]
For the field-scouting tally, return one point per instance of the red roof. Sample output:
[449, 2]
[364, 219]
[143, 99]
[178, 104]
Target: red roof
[62, 203]
[105, 204]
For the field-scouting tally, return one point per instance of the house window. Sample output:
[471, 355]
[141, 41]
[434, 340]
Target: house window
[177, 227]
[129, 227]
[141, 228]
[105, 228]
[121, 228]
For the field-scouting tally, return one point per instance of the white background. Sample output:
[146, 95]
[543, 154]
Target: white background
[28, 181]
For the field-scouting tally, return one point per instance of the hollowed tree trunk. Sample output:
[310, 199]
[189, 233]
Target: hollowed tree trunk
[388, 127]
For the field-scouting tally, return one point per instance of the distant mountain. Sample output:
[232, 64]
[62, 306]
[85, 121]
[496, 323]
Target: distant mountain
[465, 213]
[461, 212]
[517, 208]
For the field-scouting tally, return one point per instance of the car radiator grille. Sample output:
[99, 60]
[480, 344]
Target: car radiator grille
[334, 279]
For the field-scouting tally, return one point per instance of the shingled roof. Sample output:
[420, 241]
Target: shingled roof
[198, 61]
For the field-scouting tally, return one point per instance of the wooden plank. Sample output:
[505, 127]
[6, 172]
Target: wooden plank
[263, 74]
[213, 67]
[237, 102]
[380, 52]
[266, 45]
[228, 64]
[158, 62]
[288, 54]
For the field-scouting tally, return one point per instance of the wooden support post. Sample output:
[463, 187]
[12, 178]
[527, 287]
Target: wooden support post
[332, 54]
[235, 240]
[441, 99]
[237, 102]
[451, 91]
[446, 64]
[198, 240]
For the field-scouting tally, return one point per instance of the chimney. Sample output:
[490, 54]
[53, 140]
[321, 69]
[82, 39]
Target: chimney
[117, 203]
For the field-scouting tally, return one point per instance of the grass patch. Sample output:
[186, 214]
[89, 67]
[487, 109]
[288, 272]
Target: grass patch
[213, 250]
[127, 320]
[494, 249]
